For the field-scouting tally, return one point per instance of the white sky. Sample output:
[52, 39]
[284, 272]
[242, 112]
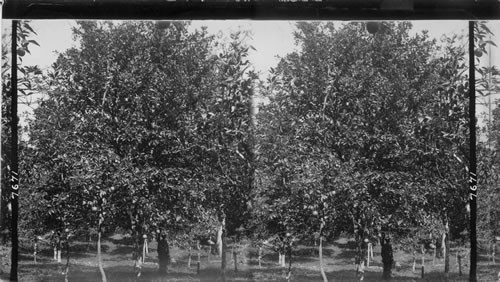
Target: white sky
[270, 39]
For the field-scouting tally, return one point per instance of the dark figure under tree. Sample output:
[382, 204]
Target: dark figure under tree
[163, 253]
[387, 256]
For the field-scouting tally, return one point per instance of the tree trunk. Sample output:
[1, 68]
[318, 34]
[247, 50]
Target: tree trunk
[281, 259]
[493, 251]
[289, 274]
[144, 250]
[209, 253]
[219, 239]
[490, 232]
[357, 241]
[459, 260]
[198, 248]
[320, 251]
[89, 242]
[371, 251]
[138, 265]
[198, 263]
[260, 256]
[59, 256]
[163, 253]
[423, 256]
[57, 250]
[434, 253]
[368, 248]
[358, 238]
[136, 229]
[232, 251]
[446, 249]
[414, 262]
[223, 255]
[235, 258]
[224, 247]
[99, 257]
[66, 271]
[35, 247]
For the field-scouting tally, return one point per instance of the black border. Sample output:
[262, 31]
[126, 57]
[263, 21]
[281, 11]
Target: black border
[270, 10]
[253, 9]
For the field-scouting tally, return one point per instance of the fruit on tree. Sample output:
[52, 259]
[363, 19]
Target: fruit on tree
[162, 24]
[21, 52]
[372, 27]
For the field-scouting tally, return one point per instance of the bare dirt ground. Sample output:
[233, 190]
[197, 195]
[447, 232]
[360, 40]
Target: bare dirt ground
[338, 257]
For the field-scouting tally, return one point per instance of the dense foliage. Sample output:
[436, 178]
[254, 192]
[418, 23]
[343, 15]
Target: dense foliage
[147, 128]
[373, 128]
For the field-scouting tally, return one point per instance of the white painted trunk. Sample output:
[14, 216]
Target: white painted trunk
[260, 256]
[368, 254]
[99, 257]
[66, 270]
[209, 253]
[423, 256]
[361, 269]
[322, 270]
[443, 244]
[434, 255]
[414, 262]
[144, 250]
[219, 240]
[459, 261]
[446, 253]
[138, 266]
[281, 258]
[493, 254]
[370, 245]
[198, 247]
[223, 248]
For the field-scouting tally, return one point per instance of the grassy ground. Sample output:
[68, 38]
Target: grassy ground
[339, 266]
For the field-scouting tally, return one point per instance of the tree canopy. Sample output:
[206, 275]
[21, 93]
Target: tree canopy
[381, 117]
[147, 127]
